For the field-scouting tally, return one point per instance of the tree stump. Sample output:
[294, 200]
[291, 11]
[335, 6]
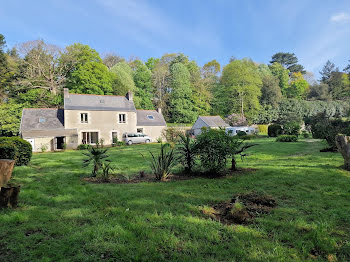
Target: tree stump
[343, 145]
[9, 196]
[6, 167]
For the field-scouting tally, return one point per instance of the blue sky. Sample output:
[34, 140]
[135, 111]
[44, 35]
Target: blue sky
[204, 30]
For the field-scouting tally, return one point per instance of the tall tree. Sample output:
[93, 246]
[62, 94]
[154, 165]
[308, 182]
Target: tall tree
[289, 61]
[91, 78]
[124, 80]
[40, 67]
[270, 91]
[242, 88]
[111, 59]
[298, 87]
[282, 75]
[181, 105]
[4, 68]
[327, 70]
[143, 82]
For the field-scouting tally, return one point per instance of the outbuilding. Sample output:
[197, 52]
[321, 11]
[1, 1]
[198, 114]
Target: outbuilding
[207, 122]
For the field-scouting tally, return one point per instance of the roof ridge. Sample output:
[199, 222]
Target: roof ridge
[94, 95]
[42, 108]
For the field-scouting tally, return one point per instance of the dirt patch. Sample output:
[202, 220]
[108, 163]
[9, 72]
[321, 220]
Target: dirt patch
[143, 177]
[242, 208]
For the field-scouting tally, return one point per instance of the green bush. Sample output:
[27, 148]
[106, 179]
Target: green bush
[171, 134]
[241, 133]
[291, 128]
[274, 130]
[82, 147]
[213, 147]
[287, 138]
[23, 149]
[8, 150]
[305, 134]
[263, 129]
[186, 151]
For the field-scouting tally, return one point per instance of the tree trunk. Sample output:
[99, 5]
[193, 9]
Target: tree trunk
[6, 167]
[233, 164]
[9, 196]
[343, 145]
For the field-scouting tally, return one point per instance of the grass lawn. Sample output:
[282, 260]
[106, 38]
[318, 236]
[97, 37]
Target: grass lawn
[62, 218]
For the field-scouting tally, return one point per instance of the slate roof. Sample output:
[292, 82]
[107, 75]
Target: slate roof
[214, 121]
[144, 120]
[98, 103]
[44, 122]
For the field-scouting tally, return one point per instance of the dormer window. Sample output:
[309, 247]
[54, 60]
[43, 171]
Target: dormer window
[150, 117]
[83, 118]
[42, 120]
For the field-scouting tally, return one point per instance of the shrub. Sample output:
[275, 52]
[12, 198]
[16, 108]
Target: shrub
[305, 134]
[291, 128]
[82, 147]
[8, 150]
[274, 130]
[95, 156]
[186, 152]
[213, 147]
[287, 138]
[23, 149]
[171, 134]
[43, 148]
[162, 163]
[106, 169]
[241, 133]
[263, 129]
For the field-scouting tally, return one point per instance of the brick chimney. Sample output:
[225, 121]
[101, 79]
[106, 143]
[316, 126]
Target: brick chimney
[159, 110]
[65, 92]
[129, 96]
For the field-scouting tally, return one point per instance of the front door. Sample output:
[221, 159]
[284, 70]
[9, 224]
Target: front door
[60, 142]
[31, 141]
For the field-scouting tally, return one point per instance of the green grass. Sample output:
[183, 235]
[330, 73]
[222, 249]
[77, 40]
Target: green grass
[62, 218]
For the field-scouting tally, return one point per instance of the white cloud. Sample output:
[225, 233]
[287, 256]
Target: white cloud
[340, 17]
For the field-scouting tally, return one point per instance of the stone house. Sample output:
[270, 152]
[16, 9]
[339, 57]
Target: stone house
[208, 122]
[86, 119]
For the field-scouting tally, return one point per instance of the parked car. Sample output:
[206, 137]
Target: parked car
[132, 138]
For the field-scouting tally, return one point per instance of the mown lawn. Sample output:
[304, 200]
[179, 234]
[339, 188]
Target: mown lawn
[62, 218]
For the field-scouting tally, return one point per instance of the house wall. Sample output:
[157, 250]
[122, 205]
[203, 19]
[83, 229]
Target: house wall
[154, 132]
[197, 127]
[41, 142]
[103, 122]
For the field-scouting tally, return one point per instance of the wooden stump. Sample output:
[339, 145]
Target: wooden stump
[9, 196]
[6, 167]
[343, 145]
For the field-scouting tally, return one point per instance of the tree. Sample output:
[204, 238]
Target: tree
[97, 157]
[242, 88]
[124, 80]
[180, 104]
[92, 78]
[10, 117]
[339, 85]
[298, 87]
[151, 63]
[211, 69]
[41, 67]
[5, 74]
[327, 70]
[319, 92]
[282, 75]
[143, 82]
[111, 59]
[289, 61]
[270, 90]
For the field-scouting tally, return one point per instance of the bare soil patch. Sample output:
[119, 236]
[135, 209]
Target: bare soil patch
[143, 177]
[242, 208]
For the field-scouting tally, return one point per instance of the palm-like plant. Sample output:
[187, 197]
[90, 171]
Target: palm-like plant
[162, 163]
[95, 156]
[186, 151]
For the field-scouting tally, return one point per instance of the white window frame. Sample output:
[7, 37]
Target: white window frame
[87, 118]
[91, 131]
[125, 118]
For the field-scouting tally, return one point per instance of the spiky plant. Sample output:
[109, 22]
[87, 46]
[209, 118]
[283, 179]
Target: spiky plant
[95, 156]
[162, 163]
[186, 151]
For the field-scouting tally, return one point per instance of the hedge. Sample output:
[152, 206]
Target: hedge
[8, 150]
[274, 130]
[23, 149]
[263, 129]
